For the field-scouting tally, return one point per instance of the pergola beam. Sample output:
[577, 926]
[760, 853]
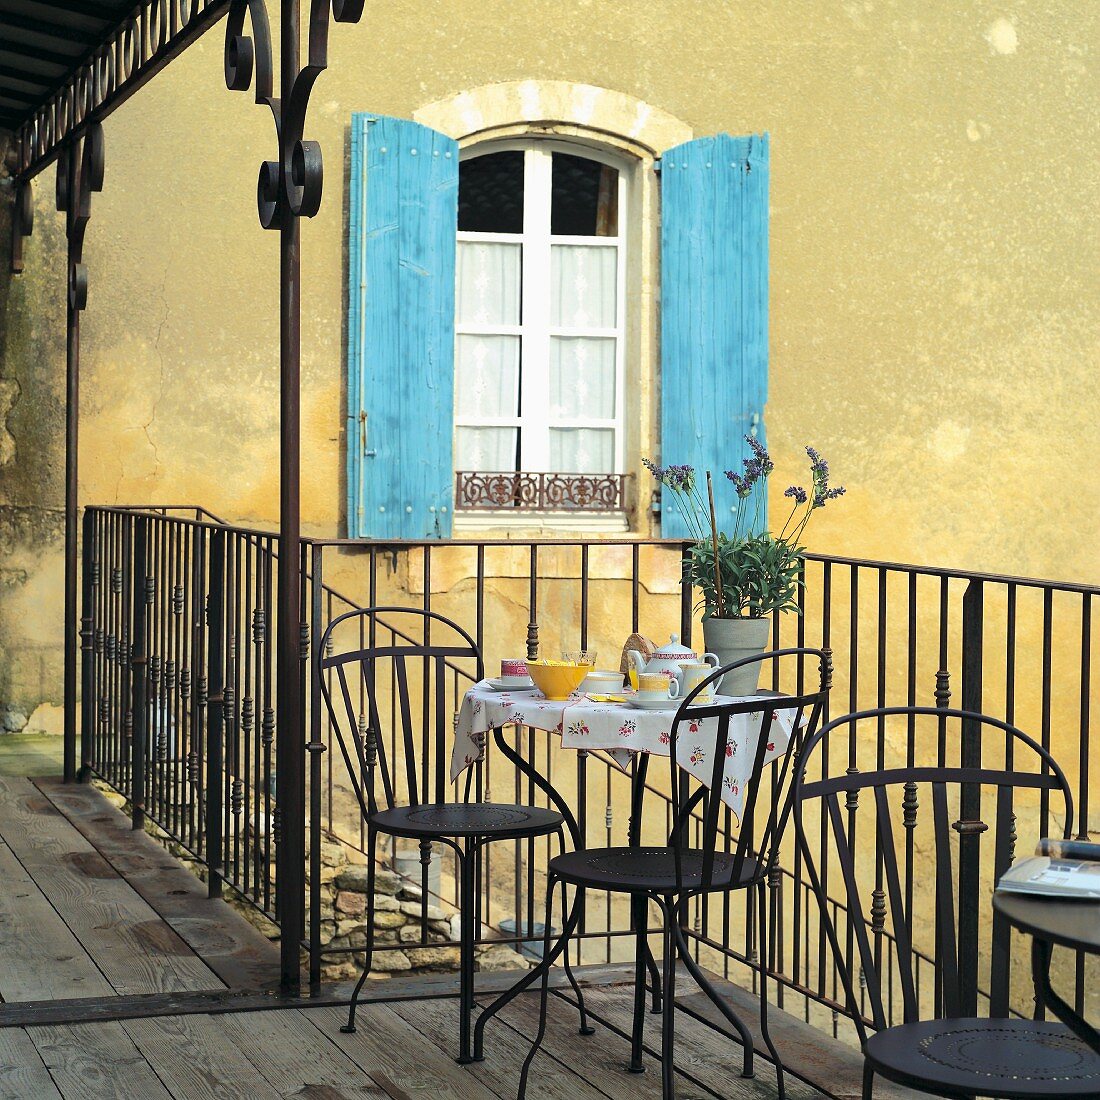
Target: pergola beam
[45, 29]
[132, 53]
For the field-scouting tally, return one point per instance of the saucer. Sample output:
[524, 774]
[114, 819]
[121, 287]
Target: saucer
[510, 683]
[652, 704]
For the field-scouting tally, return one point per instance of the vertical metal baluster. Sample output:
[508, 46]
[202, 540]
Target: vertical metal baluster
[878, 895]
[329, 754]
[970, 801]
[427, 755]
[239, 647]
[267, 729]
[1083, 770]
[119, 701]
[852, 800]
[685, 595]
[635, 585]
[584, 595]
[316, 747]
[245, 874]
[89, 592]
[138, 672]
[157, 669]
[215, 711]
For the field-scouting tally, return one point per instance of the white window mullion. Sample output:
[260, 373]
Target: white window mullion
[535, 385]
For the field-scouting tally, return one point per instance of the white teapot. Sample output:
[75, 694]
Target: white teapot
[668, 659]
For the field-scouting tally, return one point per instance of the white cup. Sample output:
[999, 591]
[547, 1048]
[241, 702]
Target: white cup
[694, 673]
[655, 686]
[603, 682]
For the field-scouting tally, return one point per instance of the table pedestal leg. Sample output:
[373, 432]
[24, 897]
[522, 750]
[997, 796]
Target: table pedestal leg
[1040, 972]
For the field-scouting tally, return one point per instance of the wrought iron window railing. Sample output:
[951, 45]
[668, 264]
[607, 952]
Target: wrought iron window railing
[502, 490]
[179, 687]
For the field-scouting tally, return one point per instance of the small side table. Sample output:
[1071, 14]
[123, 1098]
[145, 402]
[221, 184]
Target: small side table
[1052, 923]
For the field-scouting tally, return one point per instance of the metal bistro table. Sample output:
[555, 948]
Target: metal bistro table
[624, 734]
[1054, 923]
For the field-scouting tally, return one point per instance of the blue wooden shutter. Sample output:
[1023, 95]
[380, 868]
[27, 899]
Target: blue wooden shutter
[714, 310]
[401, 290]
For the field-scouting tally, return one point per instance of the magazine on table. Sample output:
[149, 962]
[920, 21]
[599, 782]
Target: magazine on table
[1059, 869]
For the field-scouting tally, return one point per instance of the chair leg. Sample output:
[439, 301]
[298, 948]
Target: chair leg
[668, 1012]
[763, 941]
[640, 905]
[545, 987]
[717, 1000]
[467, 903]
[868, 1080]
[349, 1027]
[527, 980]
[585, 1028]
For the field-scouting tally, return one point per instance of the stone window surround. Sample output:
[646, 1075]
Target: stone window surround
[613, 121]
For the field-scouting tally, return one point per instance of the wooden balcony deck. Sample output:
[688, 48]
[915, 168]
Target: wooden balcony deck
[121, 979]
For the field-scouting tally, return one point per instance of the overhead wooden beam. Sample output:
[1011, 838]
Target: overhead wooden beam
[96, 86]
[29, 52]
[63, 31]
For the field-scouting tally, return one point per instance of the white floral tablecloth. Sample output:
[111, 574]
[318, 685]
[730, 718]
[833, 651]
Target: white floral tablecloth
[620, 730]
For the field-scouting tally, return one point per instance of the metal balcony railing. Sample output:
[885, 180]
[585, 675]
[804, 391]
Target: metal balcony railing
[178, 628]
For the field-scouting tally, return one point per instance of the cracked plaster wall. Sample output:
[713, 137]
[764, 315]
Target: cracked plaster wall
[933, 277]
[32, 470]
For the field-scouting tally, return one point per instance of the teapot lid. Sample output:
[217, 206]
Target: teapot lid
[674, 651]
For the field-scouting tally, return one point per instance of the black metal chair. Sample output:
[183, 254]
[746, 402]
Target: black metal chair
[941, 1045]
[673, 874]
[421, 815]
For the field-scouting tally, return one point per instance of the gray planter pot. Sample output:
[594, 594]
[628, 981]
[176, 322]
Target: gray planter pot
[732, 640]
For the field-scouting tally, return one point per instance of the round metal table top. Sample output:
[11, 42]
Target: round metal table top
[1074, 924]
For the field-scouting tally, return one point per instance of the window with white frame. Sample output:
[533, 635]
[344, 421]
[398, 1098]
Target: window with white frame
[540, 310]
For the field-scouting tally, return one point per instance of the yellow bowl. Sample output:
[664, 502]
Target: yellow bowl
[557, 681]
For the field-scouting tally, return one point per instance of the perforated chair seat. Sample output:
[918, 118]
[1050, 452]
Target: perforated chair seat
[1010, 1058]
[649, 869]
[462, 819]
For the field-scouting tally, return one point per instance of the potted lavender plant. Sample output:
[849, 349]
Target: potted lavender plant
[745, 576]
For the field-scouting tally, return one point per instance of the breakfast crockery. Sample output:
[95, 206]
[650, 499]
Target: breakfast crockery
[669, 659]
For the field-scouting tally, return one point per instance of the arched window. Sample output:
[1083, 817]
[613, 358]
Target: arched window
[540, 309]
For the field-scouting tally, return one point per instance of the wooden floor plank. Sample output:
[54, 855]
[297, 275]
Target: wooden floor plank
[40, 958]
[194, 1058]
[805, 1049]
[135, 950]
[702, 1054]
[602, 1057]
[23, 1075]
[505, 1051]
[400, 1058]
[96, 1062]
[294, 1057]
[241, 956]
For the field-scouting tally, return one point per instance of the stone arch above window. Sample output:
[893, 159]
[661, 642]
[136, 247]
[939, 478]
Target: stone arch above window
[558, 107]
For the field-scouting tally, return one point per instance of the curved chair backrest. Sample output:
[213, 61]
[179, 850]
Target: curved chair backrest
[896, 837]
[383, 730]
[704, 728]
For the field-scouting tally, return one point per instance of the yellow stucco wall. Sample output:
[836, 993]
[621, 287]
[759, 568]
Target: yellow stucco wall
[933, 273]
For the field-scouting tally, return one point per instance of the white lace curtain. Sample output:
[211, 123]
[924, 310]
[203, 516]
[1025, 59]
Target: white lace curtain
[577, 373]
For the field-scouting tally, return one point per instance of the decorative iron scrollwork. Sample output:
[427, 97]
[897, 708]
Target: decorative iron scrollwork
[291, 186]
[540, 491]
[79, 173]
